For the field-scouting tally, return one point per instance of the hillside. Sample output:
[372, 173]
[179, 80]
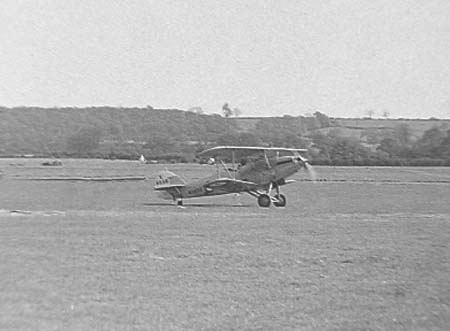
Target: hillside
[176, 135]
[129, 132]
[417, 126]
[356, 126]
[72, 131]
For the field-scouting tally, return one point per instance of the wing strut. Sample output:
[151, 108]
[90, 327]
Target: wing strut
[226, 169]
[267, 160]
[232, 164]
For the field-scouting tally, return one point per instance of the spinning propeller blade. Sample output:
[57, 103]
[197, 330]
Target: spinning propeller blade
[312, 173]
[309, 168]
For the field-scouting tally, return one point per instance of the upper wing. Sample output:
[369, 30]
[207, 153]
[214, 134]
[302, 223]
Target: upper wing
[221, 150]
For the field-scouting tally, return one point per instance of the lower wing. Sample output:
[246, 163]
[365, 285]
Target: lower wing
[229, 185]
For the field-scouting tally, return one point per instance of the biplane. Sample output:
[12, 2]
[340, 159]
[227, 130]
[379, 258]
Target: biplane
[257, 171]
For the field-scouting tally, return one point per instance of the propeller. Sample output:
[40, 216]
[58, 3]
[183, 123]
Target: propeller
[308, 167]
[312, 173]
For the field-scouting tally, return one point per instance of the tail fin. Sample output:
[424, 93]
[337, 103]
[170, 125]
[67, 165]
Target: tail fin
[167, 179]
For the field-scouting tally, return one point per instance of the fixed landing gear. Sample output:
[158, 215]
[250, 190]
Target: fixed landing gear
[280, 200]
[264, 199]
[178, 203]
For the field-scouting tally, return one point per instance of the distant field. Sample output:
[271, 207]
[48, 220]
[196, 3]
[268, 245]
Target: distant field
[415, 125]
[362, 248]
[355, 126]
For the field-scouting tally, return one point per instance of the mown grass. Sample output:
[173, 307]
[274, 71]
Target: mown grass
[186, 270]
[341, 256]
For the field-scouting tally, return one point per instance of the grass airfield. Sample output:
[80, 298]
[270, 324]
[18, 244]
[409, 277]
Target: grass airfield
[361, 249]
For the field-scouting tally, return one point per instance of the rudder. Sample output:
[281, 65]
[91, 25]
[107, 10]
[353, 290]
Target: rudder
[167, 179]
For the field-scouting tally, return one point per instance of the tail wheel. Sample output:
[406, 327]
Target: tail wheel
[264, 200]
[281, 201]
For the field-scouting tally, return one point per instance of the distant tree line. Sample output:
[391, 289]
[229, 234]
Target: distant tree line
[393, 149]
[176, 136]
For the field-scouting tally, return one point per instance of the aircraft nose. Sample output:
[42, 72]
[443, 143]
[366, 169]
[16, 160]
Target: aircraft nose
[301, 161]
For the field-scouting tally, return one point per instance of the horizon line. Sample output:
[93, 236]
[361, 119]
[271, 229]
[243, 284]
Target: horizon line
[431, 118]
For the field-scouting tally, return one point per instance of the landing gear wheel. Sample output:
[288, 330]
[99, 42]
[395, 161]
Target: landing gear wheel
[264, 200]
[281, 201]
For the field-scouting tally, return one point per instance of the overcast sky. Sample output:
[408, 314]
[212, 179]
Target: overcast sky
[266, 58]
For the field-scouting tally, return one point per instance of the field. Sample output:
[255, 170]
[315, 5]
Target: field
[355, 126]
[360, 249]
